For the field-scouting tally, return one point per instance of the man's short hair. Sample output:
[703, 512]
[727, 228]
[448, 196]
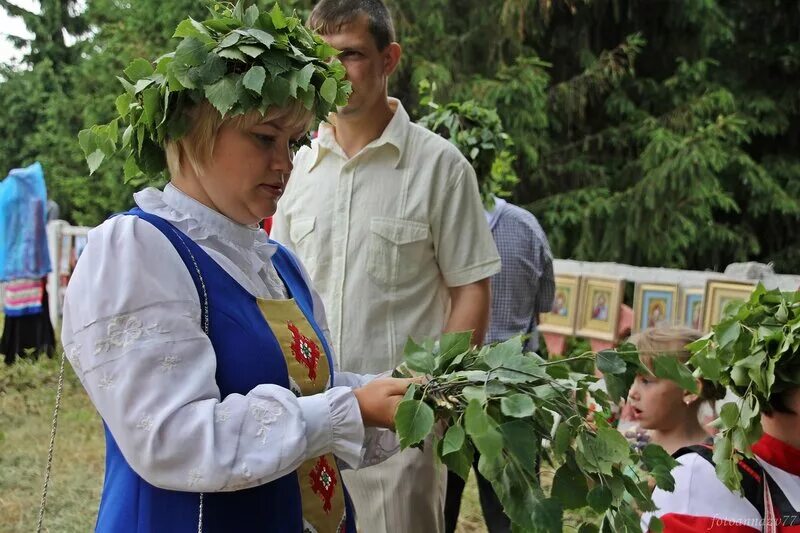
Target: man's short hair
[328, 16]
[779, 402]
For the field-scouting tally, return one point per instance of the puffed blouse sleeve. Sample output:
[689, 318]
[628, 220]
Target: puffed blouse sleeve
[132, 333]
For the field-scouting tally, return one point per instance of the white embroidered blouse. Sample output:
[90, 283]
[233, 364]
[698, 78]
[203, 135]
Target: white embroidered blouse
[132, 333]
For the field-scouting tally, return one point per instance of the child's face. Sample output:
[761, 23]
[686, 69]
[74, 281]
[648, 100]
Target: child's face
[657, 403]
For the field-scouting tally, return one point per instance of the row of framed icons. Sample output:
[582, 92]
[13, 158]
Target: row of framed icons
[589, 306]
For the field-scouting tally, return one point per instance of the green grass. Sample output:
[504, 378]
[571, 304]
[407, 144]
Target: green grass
[470, 520]
[27, 396]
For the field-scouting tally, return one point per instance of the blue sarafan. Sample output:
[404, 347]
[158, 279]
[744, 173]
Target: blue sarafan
[249, 338]
[23, 217]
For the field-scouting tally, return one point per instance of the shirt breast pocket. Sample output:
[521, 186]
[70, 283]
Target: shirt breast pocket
[396, 249]
[301, 233]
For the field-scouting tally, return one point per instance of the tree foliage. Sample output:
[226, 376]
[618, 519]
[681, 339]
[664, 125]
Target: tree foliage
[651, 133]
[47, 101]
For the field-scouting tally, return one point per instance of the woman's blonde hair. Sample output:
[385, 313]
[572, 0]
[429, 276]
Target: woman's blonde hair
[196, 146]
[671, 342]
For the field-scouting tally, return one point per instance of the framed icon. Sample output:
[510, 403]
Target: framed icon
[720, 294]
[690, 312]
[564, 313]
[598, 316]
[654, 304]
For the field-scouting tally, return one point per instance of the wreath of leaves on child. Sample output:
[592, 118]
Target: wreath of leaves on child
[239, 59]
[755, 352]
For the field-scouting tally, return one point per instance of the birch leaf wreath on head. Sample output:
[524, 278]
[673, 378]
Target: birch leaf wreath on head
[478, 134]
[755, 352]
[240, 59]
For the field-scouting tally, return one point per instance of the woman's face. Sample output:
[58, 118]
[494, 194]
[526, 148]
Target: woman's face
[248, 169]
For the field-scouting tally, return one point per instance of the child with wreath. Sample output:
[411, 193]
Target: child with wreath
[735, 486]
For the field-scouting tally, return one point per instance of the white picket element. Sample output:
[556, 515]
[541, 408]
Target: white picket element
[56, 231]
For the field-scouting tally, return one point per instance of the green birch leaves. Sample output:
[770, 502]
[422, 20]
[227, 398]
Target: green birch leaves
[239, 60]
[755, 352]
[478, 134]
[514, 409]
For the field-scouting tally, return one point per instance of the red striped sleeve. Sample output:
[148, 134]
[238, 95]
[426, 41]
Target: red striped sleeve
[680, 523]
[701, 502]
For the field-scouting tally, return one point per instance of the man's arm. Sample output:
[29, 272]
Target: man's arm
[457, 219]
[546, 289]
[469, 309]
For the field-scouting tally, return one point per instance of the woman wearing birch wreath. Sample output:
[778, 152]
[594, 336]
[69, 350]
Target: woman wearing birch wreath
[201, 343]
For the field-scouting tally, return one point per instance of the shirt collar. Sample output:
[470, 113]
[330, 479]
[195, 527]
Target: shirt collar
[778, 453]
[493, 214]
[394, 135]
[206, 222]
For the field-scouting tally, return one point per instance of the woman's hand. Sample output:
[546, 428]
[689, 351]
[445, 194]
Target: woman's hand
[378, 400]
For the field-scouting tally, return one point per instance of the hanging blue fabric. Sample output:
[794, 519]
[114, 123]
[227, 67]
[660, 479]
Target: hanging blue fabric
[23, 220]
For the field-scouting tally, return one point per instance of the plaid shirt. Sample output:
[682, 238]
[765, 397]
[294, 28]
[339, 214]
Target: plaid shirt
[525, 285]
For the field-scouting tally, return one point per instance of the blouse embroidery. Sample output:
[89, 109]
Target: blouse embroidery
[106, 382]
[145, 423]
[169, 362]
[73, 354]
[122, 330]
[265, 413]
[223, 414]
[195, 477]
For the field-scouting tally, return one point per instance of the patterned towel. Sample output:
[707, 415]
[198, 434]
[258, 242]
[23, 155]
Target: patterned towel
[23, 297]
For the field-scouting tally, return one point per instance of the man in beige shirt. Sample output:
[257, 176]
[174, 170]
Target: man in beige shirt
[387, 218]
